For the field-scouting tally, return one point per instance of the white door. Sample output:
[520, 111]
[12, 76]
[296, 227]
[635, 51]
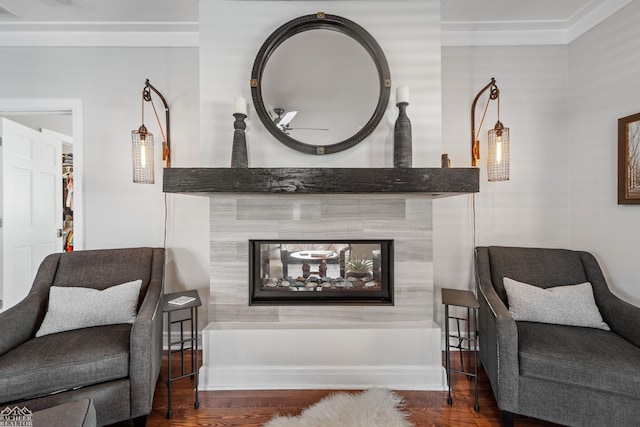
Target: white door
[31, 206]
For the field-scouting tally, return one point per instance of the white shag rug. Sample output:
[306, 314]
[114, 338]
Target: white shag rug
[377, 407]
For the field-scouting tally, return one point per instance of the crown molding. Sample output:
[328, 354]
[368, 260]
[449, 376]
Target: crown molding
[519, 33]
[99, 34]
[99, 39]
[504, 38]
[591, 18]
[186, 34]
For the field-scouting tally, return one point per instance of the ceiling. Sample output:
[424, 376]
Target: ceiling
[465, 22]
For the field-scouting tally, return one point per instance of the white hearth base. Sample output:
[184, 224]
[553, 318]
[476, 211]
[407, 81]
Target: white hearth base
[260, 356]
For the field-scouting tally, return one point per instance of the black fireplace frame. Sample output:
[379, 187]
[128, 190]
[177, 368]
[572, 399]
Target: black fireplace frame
[383, 297]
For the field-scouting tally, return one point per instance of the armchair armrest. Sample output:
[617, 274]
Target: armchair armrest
[623, 318]
[146, 342]
[498, 338]
[20, 322]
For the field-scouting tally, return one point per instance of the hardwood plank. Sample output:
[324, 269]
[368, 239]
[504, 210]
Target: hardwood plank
[253, 408]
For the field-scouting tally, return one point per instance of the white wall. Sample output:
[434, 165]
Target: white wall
[231, 34]
[109, 81]
[604, 70]
[532, 208]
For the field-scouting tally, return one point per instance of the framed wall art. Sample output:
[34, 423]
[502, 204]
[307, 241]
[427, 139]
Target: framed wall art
[629, 160]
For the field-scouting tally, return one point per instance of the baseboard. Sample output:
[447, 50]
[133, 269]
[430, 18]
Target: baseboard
[322, 377]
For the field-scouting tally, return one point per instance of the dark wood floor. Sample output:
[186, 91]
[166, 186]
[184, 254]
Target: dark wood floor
[253, 408]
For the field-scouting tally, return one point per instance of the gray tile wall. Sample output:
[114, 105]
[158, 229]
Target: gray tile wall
[405, 218]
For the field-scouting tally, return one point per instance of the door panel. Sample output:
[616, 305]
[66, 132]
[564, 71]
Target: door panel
[31, 206]
[17, 273]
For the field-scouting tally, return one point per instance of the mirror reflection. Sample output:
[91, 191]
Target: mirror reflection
[320, 87]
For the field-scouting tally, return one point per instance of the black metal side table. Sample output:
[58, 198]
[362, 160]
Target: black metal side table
[466, 299]
[182, 301]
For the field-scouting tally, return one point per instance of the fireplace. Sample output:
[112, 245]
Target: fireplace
[323, 272]
[321, 345]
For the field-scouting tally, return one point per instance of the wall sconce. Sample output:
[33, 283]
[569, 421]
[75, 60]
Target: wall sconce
[499, 160]
[142, 141]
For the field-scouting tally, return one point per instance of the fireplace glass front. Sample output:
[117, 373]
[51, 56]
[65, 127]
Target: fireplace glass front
[321, 272]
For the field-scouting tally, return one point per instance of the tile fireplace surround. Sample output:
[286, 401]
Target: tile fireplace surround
[321, 346]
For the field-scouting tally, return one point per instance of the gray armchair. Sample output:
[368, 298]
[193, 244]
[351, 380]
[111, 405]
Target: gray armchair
[565, 374]
[116, 366]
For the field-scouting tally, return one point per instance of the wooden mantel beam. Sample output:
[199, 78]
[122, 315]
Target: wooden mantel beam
[437, 182]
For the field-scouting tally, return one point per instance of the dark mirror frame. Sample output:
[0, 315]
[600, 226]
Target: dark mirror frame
[314, 22]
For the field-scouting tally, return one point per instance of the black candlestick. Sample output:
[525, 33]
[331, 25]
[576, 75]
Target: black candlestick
[239, 151]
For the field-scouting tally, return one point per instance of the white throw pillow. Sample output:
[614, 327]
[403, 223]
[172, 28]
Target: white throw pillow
[572, 305]
[75, 308]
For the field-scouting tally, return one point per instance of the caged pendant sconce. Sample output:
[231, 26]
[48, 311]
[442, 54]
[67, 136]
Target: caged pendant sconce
[498, 161]
[142, 141]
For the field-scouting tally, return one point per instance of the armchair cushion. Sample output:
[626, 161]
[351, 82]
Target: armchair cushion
[572, 305]
[569, 355]
[79, 307]
[64, 361]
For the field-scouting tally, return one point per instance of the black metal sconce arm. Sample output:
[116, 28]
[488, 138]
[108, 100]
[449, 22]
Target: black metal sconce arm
[475, 144]
[166, 144]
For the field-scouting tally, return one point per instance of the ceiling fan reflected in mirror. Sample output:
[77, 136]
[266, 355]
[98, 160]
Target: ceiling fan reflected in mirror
[284, 122]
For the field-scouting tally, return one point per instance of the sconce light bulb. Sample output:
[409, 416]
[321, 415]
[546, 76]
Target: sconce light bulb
[142, 134]
[498, 129]
[143, 154]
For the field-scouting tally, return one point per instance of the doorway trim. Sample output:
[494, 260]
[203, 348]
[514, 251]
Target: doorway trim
[62, 106]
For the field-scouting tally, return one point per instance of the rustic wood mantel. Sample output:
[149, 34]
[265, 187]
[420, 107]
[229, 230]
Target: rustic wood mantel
[437, 182]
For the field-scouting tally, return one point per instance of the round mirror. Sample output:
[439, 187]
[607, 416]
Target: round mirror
[320, 91]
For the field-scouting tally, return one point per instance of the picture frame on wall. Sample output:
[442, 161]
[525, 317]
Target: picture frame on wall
[629, 160]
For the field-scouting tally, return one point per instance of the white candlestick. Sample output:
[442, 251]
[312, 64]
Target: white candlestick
[240, 105]
[402, 94]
